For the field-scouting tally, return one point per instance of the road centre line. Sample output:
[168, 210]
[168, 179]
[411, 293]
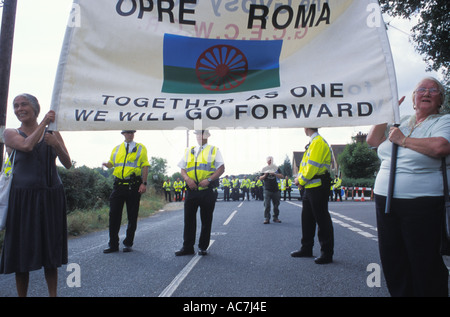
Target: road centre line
[348, 226]
[229, 218]
[172, 287]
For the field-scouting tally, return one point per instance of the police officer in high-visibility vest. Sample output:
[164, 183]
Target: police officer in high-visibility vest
[337, 188]
[315, 178]
[167, 186]
[245, 186]
[130, 163]
[259, 189]
[178, 187]
[287, 187]
[226, 188]
[201, 168]
[234, 188]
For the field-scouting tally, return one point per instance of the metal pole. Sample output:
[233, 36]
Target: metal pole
[390, 193]
[6, 45]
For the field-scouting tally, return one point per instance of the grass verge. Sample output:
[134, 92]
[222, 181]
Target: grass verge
[84, 221]
[80, 222]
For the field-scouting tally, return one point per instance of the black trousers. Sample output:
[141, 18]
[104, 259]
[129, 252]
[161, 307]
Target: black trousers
[226, 193]
[409, 239]
[315, 212]
[205, 199]
[167, 193]
[121, 195]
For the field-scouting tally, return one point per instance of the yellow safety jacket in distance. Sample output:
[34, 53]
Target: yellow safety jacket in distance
[167, 186]
[203, 166]
[338, 183]
[226, 182]
[126, 164]
[178, 186]
[316, 161]
[245, 183]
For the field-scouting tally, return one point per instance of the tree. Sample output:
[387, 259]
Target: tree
[286, 167]
[431, 34]
[358, 161]
[157, 171]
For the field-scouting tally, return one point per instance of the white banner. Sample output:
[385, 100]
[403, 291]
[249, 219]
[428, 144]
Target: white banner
[168, 64]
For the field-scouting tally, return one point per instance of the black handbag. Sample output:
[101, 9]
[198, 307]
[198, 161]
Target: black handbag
[445, 243]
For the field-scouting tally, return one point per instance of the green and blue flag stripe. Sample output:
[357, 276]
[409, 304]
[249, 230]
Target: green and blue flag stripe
[256, 65]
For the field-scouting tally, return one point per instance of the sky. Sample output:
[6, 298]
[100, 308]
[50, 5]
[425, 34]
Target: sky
[39, 32]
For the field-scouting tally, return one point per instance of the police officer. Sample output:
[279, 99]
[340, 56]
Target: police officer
[178, 187]
[235, 188]
[337, 188]
[315, 178]
[167, 186]
[201, 167]
[226, 188]
[130, 163]
[287, 187]
[245, 186]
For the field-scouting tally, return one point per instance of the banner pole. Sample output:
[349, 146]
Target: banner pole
[393, 167]
[6, 44]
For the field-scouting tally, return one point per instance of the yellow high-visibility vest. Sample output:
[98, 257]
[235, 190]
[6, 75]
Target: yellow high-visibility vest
[245, 183]
[126, 164]
[203, 166]
[338, 183]
[166, 186]
[315, 161]
[225, 182]
[178, 186]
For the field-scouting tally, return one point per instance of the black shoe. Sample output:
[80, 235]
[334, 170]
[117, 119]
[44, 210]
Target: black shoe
[323, 259]
[127, 249]
[184, 251]
[110, 250]
[277, 220]
[202, 252]
[301, 254]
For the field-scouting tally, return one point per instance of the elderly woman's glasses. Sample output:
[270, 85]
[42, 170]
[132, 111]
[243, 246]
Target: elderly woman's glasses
[432, 91]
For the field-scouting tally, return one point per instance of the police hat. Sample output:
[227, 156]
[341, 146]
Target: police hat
[204, 132]
[128, 131]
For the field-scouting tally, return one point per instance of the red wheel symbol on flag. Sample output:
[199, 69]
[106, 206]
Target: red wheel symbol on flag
[221, 67]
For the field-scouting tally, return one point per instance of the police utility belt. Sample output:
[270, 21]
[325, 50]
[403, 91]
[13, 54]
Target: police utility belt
[325, 178]
[130, 181]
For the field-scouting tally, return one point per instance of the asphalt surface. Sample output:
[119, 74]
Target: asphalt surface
[246, 258]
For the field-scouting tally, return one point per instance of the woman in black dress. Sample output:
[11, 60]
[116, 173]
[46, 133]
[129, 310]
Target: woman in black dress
[36, 227]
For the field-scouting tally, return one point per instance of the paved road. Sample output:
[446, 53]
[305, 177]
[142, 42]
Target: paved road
[246, 258]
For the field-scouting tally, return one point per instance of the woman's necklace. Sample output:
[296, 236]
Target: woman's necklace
[416, 125]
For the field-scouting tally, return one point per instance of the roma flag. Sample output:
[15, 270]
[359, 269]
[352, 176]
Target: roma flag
[209, 66]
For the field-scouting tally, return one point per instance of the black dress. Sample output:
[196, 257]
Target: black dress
[36, 227]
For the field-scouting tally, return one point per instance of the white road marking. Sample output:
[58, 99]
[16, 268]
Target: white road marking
[347, 225]
[172, 287]
[229, 218]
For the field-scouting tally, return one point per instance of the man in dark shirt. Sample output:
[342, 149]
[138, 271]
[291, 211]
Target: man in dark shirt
[270, 173]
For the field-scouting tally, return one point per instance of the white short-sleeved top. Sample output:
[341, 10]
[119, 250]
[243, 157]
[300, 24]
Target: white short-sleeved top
[417, 175]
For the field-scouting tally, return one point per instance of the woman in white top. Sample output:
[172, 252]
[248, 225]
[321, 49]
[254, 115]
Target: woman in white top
[410, 234]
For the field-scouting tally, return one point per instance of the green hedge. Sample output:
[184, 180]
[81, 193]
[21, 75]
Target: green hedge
[85, 188]
[358, 182]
